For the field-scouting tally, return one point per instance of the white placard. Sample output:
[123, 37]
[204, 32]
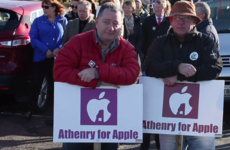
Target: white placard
[100, 115]
[184, 109]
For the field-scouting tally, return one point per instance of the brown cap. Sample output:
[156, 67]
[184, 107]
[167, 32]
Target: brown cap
[184, 8]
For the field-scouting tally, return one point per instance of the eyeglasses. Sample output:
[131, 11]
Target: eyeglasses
[184, 18]
[73, 6]
[46, 7]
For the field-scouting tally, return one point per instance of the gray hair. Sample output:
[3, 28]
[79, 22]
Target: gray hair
[111, 7]
[85, 2]
[163, 2]
[203, 8]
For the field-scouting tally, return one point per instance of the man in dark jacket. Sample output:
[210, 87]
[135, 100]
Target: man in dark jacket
[154, 25]
[206, 26]
[184, 54]
[72, 14]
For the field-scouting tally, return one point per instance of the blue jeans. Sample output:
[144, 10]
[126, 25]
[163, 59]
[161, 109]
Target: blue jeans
[168, 142]
[89, 146]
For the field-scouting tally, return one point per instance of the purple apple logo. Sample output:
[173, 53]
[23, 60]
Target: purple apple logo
[181, 101]
[177, 99]
[100, 104]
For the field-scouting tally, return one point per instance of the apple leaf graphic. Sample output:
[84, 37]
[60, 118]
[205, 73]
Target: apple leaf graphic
[184, 89]
[101, 95]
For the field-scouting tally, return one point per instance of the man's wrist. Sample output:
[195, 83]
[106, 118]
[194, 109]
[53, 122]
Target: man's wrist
[97, 74]
[98, 83]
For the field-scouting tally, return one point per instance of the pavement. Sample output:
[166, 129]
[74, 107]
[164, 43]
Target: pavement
[16, 133]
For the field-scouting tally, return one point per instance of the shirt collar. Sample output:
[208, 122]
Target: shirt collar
[162, 17]
[113, 45]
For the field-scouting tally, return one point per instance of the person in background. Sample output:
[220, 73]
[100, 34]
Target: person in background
[168, 8]
[84, 23]
[206, 26]
[152, 27]
[72, 14]
[141, 11]
[132, 27]
[184, 54]
[145, 4]
[93, 7]
[155, 25]
[46, 36]
[98, 58]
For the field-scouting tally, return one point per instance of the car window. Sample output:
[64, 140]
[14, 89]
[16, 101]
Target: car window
[33, 16]
[220, 14]
[9, 20]
[40, 12]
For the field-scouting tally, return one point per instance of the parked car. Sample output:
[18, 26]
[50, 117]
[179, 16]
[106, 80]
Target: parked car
[16, 53]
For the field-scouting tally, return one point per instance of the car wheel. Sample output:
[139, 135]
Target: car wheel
[43, 95]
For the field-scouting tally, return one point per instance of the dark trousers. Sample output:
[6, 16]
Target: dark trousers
[146, 141]
[39, 72]
[89, 146]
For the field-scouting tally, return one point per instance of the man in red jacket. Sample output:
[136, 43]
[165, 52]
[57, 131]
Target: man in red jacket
[98, 57]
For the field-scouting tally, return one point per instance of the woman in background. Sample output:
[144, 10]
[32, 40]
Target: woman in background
[132, 27]
[46, 38]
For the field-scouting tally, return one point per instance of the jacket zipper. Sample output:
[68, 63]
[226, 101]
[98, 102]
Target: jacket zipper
[180, 46]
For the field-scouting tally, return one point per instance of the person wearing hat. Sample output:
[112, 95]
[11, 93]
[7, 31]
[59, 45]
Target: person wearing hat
[184, 54]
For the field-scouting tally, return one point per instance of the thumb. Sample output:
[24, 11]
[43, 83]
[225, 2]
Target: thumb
[80, 74]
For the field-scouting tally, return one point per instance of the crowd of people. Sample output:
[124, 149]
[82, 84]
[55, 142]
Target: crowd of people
[112, 45]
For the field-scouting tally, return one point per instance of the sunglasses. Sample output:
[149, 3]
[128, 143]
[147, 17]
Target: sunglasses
[73, 6]
[46, 7]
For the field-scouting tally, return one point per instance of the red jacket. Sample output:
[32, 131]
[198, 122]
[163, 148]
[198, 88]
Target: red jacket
[120, 66]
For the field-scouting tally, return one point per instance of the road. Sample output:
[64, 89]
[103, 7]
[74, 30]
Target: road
[16, 133]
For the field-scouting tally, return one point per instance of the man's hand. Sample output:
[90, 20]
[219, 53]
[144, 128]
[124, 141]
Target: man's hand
[49, 54]
[187, 70]
[55, 52]
[170, 80]
[108, 84]
[87, 74]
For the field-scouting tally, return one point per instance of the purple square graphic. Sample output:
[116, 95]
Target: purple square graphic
[181, 101]
[98, 106]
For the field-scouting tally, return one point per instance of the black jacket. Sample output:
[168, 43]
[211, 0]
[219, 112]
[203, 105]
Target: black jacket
[167, 52]
[135, 39]
[151, 30]
[208, 28]
[71, 15]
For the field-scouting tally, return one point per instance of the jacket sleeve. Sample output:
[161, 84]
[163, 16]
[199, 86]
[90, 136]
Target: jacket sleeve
[67, 63]
[64, 26]
[211, 64]
[126, 73]
[34, 36]
[155, 66]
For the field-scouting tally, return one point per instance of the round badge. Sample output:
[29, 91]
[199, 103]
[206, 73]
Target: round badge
[194, 56]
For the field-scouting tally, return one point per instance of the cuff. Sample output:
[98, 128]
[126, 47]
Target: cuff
[97, 74]
[180, 77]
[98, 83]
